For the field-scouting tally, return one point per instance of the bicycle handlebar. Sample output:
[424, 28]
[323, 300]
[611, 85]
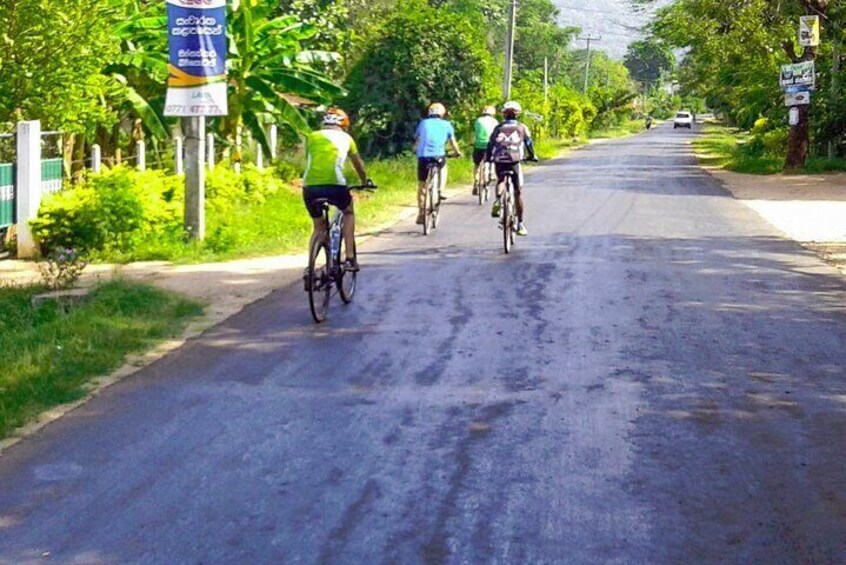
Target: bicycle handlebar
[369, 186]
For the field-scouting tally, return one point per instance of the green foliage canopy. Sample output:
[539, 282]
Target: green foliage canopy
[51, 54]
[421, 55]
[648, 60]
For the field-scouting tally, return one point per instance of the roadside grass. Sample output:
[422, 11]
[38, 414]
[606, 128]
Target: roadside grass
[724, 147]
[280, 225]
[49, 353]
[550, 148]
[727, 148]
[626, 129]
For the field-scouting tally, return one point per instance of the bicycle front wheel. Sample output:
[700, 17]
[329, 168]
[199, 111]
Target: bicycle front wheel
[348, 281]
[320, 281]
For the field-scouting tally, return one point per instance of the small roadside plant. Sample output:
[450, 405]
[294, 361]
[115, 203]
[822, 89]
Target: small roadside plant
[62, 268]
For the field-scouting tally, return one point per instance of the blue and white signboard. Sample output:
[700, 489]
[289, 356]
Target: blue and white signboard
[197, 44]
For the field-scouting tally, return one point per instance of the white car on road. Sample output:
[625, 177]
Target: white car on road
[683, 120]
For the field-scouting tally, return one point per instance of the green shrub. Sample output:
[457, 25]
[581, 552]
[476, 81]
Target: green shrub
[775, 142]
[122, 214]
[762, 125]
[287, 171]
[110, 211]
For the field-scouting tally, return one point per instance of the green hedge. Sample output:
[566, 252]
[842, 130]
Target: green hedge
[125, 215]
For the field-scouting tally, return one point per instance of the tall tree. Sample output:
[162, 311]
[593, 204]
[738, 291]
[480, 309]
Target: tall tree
[648, 60]
[51, 54]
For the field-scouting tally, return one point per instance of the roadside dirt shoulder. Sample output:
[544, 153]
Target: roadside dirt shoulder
[810, 209]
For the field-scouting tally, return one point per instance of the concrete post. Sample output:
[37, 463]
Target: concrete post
[96, 158]
[274, 141]
[180, 162]
[141, 154]
[259, 156]
[210, 151]
[195, 177]
[28, 185]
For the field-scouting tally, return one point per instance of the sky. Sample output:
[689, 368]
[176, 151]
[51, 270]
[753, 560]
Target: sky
[614, 20]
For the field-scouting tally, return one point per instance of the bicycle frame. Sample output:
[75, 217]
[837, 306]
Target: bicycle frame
[431, 197]
[332, 279]
[507, 202]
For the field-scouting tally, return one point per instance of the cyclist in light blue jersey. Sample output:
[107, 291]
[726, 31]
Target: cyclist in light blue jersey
[433, 134]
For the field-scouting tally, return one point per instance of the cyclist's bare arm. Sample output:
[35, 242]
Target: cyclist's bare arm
[454, 144]
[358, 165]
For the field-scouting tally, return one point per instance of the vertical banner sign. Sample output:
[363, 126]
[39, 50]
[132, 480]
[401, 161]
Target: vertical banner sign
[197, 44]
[809, 31]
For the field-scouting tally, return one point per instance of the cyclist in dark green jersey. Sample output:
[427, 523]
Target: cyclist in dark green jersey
[483, 127]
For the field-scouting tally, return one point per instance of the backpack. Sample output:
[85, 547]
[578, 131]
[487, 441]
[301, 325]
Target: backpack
[509, 142]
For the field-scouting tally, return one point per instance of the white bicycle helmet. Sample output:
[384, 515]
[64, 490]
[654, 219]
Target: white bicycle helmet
[512, 107]
[336, 117]
[437, 109]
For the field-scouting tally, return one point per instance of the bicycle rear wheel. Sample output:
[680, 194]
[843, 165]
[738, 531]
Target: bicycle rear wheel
[427, 208]
[507, 219]
[436, 205]
[320, 287]
[348, 281]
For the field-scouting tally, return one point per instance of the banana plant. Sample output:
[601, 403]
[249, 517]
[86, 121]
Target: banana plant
[269, 70]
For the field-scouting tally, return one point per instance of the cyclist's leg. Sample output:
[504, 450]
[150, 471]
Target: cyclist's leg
[320, 227]
[518, 190]
[501, 171]
[442, 178]
[343, 200]
[422, 176]
[480, 169]
[349, 230]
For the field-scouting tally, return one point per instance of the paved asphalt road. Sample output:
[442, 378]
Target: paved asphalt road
[655, 376]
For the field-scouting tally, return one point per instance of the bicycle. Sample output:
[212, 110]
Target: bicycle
[326, 274]
[432, 196]
[482, 185]
[508, 212]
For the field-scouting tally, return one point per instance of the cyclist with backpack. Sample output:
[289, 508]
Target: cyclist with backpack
[509, 145]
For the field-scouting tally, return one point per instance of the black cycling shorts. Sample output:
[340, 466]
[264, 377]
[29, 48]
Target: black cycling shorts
[479, 156]
[502, 169]
[336, 194]
[423, 166]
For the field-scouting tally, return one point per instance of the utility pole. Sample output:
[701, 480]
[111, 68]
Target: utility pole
[590, 39]
[509, 50]
[194, 131]
[545, 80]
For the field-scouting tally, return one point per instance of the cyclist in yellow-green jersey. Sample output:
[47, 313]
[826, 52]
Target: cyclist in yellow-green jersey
[327, 150]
